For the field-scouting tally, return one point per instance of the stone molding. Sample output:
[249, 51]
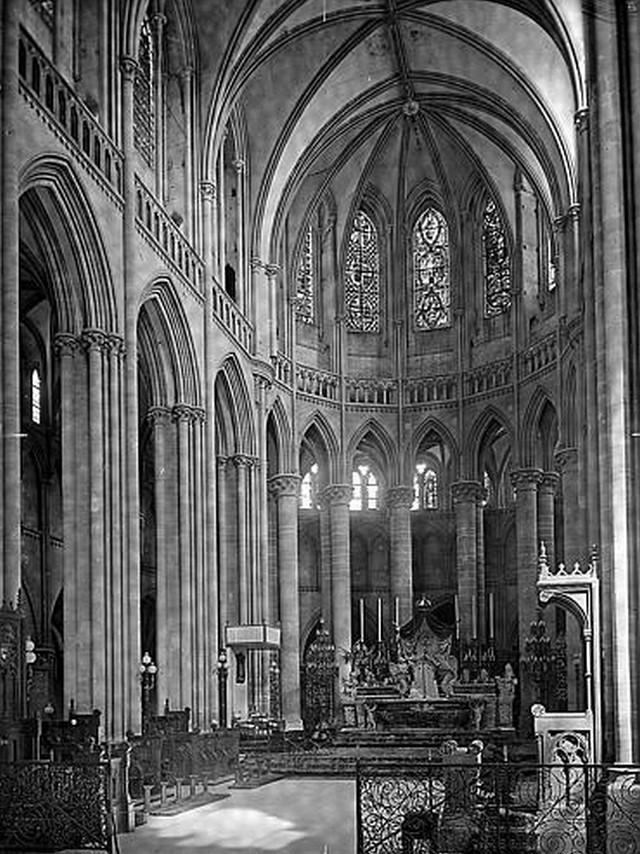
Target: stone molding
[399, 497]
[581, 119]
[66, 344]
[128, 67]
[284, 485]
[526, 480]
[337, 493]
[468, 492]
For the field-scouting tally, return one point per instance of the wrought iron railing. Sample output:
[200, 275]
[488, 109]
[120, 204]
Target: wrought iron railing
[506, 808]
[69, 115]
[53, 806]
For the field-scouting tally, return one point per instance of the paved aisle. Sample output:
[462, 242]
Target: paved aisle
[295, 816]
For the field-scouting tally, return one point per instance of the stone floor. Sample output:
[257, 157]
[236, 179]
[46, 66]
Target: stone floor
[291, 816]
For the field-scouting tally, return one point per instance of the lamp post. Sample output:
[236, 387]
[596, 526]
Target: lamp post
[148, 672]
[223, 672]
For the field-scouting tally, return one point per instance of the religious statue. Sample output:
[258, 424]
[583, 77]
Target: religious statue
[433, 668]
[506, 685]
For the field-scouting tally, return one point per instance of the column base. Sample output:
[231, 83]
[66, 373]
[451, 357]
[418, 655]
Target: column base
[294, 725]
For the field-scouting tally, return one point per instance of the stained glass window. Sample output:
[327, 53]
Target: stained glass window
[362, 277]
[425, 488]
[488, 485]
[497, 273]
[309, 488]
[551, 264]
[365, 489]
[143, 106]
[431, 271]
[36, 396]
[305, 290]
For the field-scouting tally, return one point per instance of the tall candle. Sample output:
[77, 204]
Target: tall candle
[491, 626]
[379, 620]
[474, 618]
[362, 620]
[457, 614]
[397, 611]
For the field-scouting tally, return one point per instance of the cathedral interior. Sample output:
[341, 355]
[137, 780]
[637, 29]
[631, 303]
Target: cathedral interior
[320, 330]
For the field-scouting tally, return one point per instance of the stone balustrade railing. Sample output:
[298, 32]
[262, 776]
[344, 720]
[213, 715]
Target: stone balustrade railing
[229, 315]
[431, 389]
[70, 116]
[489, 377]
[282, 368]
[167, 237]
[319, 383]
[372, 391]
[539, 356]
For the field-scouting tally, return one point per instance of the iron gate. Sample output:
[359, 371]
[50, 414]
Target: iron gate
[51, 806]
[485, 809]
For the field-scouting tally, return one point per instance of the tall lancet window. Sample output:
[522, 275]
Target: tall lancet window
[362, 277]
[36, 396]
[309, 488]
[143, 96]
[425, 488]
[497, 271]
[305, 282]
[431, 271]
[365, 489]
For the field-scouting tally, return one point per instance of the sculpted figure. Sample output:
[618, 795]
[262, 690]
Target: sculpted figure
[506, 685]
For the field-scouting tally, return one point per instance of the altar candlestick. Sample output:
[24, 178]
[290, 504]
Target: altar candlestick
[379, 620]
[397, 611]
[491, 626]
[474, 618]
[362, 621]
[457, 614]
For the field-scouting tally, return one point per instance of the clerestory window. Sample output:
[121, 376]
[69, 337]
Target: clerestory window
[362, 276]
[431, 271]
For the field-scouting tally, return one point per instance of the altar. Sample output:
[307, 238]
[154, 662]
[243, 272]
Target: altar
[415, 681]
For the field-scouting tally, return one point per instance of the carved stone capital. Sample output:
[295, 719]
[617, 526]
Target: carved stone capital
[467, 492]
[186, 412]
[160, 415]
[337, 493]
[581, 119]
[94, 340]
[243, 461]
[66, 344]
[526, 480]
[284, 485]
[550, 482]
[272, 270]
[239, 165]
[222, 463]
[565, 458]
[115, 344]
[399, 497]
[256, 263]
[128, 67]
[208, 191]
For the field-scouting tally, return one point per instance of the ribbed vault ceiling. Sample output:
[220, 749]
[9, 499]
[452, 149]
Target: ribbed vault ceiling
[393, 95]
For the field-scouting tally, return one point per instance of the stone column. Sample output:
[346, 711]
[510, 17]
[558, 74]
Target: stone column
[227, 612]
[338, 496]
[242, 462]
[10, 142]
[241, 292]
[186, 80]
[66, 347]
[399, 500]
[94, 342]
[575, 547]
[285, 487]
[546, 514]
[167, 655]
[325, 564]
[158, 21]
[525, 483]
[465, 495]
[481, 578]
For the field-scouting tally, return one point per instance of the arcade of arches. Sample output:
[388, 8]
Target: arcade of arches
[310, 310]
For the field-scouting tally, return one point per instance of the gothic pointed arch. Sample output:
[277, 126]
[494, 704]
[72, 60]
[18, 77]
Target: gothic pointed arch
[539, 431]
[231, 382]
[319, 444]
[372, 440]
[278, 438]
[57, 216]
[162, 315]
